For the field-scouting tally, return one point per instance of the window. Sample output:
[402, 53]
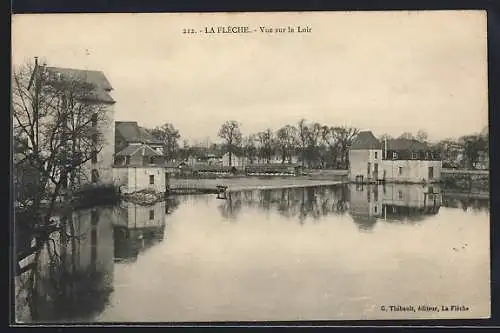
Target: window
[152, 214]
[94, 176]
[94, 157]
[400, 171]
[400, 195]
[375, 154]
[127, 160]
[414, 156]
[151, 179]
[152, 160]
[375, 209]
[394, 155]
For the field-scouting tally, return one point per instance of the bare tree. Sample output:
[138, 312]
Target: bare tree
[231, 134]
[56, 131]
[250, 148]
[313, 139]
[286, 138]
[385, 136]
[266, 140]
[170, 136]
[406, 135]
[422, 136]
[345, 137]
[331, 139]
[302, 139]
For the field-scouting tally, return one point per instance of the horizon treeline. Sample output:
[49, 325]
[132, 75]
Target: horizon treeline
[315, 145]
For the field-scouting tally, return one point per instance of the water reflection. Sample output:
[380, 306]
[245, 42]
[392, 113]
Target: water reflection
[300, 203]
[137, 228]
[392, 202]
[72, 279]
[364, 203]
[466, 201]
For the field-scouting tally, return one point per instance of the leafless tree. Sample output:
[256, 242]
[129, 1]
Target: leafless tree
[406, 135]
[313, 140]
[231, 134]
[302, 139]
[250, 148]
[170, 136]
[385, 136]
[286, 138]
[266, 143]
[331, 140]
[56, 133]
[422, 136]
[345, 137]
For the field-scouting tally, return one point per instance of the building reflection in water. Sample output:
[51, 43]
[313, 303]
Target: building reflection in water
[364, 203]
[392, 202]
[137, 228]
[299, 203]
[72, 279]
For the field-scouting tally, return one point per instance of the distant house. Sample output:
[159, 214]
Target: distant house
[129, 132]
[394, 160]
[238, 161]
[177, 168]
[139, 167]
[139, 155]
[206, 169]
[272, 169]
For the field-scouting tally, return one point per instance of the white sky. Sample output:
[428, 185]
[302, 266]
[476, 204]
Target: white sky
[385, 71]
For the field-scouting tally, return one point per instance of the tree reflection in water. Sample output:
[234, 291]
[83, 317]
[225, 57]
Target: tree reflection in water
[366, 204]
[476, 204]
[72, 277]
[298, 203]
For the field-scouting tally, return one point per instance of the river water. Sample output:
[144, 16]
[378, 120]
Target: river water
[317, 253]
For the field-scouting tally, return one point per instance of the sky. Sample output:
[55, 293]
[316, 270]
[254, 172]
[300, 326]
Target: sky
[389, 72]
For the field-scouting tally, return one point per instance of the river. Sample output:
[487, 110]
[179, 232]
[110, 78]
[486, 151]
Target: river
[318, 253]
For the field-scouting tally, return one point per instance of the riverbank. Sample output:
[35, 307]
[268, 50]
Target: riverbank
[253, 183]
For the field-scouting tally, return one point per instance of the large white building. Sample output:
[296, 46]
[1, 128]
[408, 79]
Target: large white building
[394, 160]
